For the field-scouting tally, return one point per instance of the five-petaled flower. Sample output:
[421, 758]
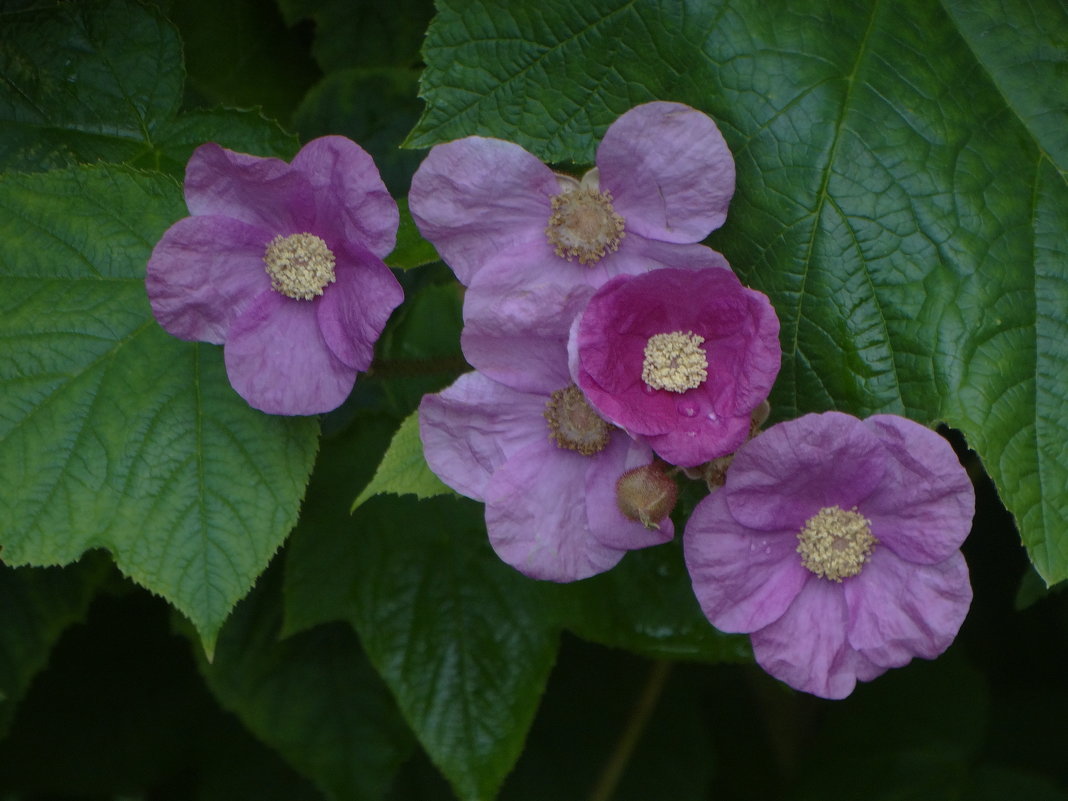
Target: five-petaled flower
[282, 265]
[678, 358]
[835, 543]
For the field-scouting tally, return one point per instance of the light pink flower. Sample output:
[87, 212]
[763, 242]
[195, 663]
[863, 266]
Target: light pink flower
[282, 265]
[835, 543]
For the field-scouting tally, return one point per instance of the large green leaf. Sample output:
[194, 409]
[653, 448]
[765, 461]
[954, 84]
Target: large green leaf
[464, 642]
[112, 433]
[901, 192]
[102, 81]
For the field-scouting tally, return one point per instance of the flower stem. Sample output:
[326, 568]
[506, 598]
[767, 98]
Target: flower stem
[643, 710]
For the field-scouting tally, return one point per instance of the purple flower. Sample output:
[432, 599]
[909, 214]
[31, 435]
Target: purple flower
[546, 467]
[282, 265]
[678, 358]
[663, 180]
[835, 544]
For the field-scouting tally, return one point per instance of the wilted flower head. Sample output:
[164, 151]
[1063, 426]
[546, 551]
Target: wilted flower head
[663, 180]
[835, 543]
[546, 466]
[678, 358]
[282, 265]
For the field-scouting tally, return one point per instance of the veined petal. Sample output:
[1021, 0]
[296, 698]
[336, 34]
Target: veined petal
[669, 170]
[351, 201]
[277, 360]
[744, 579]
[899, 609]
[203, 272]
[472, 427]
[265, 192]
[354, 309]
[476, 197]
[536, 516]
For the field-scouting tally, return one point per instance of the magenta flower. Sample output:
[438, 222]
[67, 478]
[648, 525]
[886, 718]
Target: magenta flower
[678, 358]
[835, 544]
[546, 467]
[282, 265]
[663, 180]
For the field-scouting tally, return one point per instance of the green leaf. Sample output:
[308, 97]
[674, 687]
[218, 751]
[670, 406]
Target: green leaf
[403, 470]
[114, 434]
[464, 642]
[102, 81]
[314, 697]
[39, 604]
[412, 250]
[901, 193]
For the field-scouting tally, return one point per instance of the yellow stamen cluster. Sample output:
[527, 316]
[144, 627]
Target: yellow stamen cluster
[675, 361]
[583, 225]
[835, 543]
[573, 424]
[300, 265]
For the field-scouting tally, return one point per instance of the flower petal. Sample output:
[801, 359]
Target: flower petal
[476, 197]
[608, 525]
[471, 428]
[807, 647]
[898, 610]
[261, 191]
[277, 360]
[787, 473]
[518, 334]
[669, 170]
[536, 516]
[354, 309]
[202, 272]
[744, 579]
[923, 510]
[352, 202]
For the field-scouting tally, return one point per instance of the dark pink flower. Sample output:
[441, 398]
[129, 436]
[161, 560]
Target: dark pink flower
[678, 358]
[546, 467]
[835, 543]
[663, 180]
[282, 265]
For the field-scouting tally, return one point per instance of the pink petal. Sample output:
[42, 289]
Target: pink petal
[923, 509]
[476, 197]
[807, 647]
[669, 170]
[202, 272]
[354, 309]
[471, 428]
[352, 202]
[786, 474]
[277, 360]
[708, 437]
[536, 516]
[608, 525]
[265, 192]
[898, 610]
[517, 334]
[744, 579]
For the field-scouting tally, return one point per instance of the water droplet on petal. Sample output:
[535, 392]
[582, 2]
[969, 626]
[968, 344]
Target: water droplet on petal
[648, 389]
[687, 408]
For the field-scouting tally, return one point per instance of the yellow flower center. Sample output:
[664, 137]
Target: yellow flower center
[835, 543]
[300, 265]
[675, 361]
[583, 225]
[573, 424]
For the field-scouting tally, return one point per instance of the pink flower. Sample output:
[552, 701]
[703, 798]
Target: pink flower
[546, 467]
[282, 265]
[663, 180]
[835, 544]
[678, 358]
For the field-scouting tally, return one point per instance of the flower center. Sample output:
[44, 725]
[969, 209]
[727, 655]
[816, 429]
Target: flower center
[675, 361]
[300, 265]
[835, 544]
[573, 424]
[583, 225]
